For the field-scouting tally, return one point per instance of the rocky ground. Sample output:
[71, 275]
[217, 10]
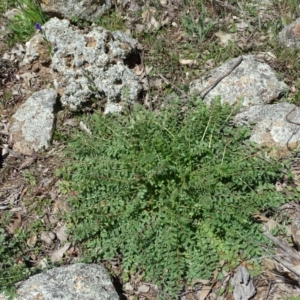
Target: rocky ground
[171, 55]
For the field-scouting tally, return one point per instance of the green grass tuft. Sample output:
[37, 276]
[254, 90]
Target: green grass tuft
[22, 26]
[200, 27]
[5, 5]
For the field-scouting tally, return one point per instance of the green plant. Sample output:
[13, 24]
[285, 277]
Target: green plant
[17, 251]
[199, 27]
[251, 9]
[255, 268]
[12, 257]
[5, 99]
[79, 22]
[22, 26]
[287, 11]
[220, 54]
[58, 136]
[37, 206]
[30, 178]
[287, 8]
[112, 21]
[171, 192]
[279, 231]
[5, 5]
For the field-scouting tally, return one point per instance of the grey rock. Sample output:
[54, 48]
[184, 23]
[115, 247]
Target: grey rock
[74, 282]
[33, 49]
[84, 9]
[271, 127]
[144, 288]
[252, 82]
[295, 231]
[47, 237]
[290, 35]
[32, 124]
[89, 65]
[242, 283]
[61, 233]
[118, 83]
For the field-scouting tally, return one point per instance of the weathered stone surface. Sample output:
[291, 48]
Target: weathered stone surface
[84, 9]
[32, 125]
[271, 127]
[243, 285]
[252, 82]
[37, 49]
[290, 35]
[78, 281]
[295, 231]
[47, 237]
[89, 65]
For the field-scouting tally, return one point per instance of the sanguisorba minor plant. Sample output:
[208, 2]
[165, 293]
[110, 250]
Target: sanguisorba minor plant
[172, 192]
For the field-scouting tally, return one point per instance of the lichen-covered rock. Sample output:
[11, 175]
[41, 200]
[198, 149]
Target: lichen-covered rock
[91, 65]
[252, 82]
[295, 231]
[37, 49]
[32, 124]
[83, 9]
[289, 36]
[78, 281]
[271, 127]
[243, 285]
